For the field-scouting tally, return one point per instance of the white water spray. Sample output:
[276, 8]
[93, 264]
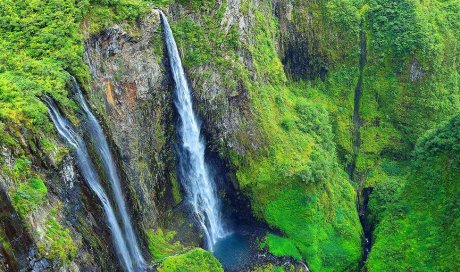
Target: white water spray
[102, 148]
[89, 172]
[200, 188]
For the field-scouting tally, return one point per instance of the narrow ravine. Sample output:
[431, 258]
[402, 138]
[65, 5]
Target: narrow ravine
[356, 136]
[362, 194]
[88, 170]
[193, 169]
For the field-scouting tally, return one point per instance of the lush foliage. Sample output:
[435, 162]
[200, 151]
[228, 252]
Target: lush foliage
[295, 180]
[194, 260]
[270, 268]
[162, 246]
[419, 227]
[39, 47]
[280, 246]
[411, 79]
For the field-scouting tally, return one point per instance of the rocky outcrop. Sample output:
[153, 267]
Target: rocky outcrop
[132, 94]
[29, 242]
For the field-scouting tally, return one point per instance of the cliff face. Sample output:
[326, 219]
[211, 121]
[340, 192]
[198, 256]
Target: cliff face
[132, 93]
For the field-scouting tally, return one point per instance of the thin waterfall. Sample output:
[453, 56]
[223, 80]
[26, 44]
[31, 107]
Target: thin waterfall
[88, 170]
[194, 174]
[102, 148]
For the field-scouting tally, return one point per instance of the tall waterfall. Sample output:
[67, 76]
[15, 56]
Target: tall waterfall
[89, 172]
[194, 174]
[102, 148]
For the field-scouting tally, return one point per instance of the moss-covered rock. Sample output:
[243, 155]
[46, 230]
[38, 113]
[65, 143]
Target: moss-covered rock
[194, 260]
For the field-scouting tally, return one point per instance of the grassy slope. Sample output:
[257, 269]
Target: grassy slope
[397, 109]
[397, 106]
[296, 184]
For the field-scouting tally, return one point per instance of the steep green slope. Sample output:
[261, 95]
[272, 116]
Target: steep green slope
[411, 78]
[418, 228]
[39, 41]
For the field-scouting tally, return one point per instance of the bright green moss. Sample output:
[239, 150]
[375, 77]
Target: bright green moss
[192, 261]
[28, 196]
[100, 14]
[175, 188]
[280, 246]
[5, 245]
[57, 242]
[36, 59]
[271, 268]
[161, 244]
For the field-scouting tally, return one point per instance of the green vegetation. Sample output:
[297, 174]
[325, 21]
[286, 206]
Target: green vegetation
[54, 240]
[419, 227]
[280, 246]
[411, 78]
[295, 176]
[194, 260]
[39, 46]
[29, 196]
[295, 184]
[270, 268]
[57, 243]
[162, 246]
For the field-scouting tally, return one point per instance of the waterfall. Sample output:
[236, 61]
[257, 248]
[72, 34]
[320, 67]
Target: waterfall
[102, 148]
[89, 172]
[194, 174]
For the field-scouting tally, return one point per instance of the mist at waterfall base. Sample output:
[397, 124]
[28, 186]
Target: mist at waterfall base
[123, 246]
[196, 174]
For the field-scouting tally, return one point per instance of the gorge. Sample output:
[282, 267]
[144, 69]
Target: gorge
[229, 135]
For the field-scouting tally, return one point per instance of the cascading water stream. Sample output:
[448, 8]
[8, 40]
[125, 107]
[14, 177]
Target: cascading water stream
[88, 170]
[200, 187]
[102, 148]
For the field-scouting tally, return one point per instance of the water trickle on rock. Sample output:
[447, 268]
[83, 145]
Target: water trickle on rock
[193, 170]
[121, 241]
[102, 149]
